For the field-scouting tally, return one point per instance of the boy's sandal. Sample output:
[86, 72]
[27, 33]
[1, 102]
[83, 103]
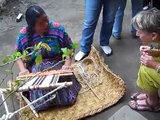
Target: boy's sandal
[134, 96]
[146, 107]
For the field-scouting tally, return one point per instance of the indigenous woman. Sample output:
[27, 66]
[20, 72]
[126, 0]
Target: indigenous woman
[40, 29]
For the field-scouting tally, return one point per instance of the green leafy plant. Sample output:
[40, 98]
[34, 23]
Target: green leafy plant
[14, 85]
[6, 58]
[36, 50]
[15, 55]
[74, 45]
[38, 59]
[66, 52]
[69, 52]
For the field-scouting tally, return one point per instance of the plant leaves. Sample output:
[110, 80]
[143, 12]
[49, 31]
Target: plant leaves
[74, 45]
[66, 51]
[69, 52]
[17, 83]
[26, 58]
[11, 57]
[8, 90]
[72, 55]
[63, 56]
[25, 52]
[18, 54]
[6, 58]
[38, 59]
[37, 47]
[15, 55]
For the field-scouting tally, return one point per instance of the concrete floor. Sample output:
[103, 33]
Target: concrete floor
[70, 13]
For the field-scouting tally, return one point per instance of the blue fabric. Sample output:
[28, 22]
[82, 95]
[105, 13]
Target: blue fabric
[64, 96]
[136, 7]
[92, 12]
[117, 27]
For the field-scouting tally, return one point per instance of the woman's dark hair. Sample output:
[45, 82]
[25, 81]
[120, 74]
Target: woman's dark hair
[31, 15]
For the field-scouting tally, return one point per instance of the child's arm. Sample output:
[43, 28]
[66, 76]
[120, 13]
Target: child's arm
[22, 67]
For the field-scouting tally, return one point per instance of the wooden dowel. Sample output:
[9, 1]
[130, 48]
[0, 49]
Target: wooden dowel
[47, 73]
[66, 74]
[30, 106]
[34, 87]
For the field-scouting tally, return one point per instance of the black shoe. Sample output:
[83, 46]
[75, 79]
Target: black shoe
[116, 37]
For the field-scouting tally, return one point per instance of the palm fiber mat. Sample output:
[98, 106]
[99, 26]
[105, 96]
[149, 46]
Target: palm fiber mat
[101, 88]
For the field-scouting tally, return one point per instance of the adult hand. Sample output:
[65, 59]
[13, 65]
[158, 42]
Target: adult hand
[24, 72]
[148, 61]
[144, 49]
[149, 51]
[66, 67]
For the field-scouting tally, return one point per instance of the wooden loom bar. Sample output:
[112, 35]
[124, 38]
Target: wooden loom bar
[34, 87]
[61, 72]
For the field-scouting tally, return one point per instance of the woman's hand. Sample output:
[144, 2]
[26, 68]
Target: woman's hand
[144, 49]
[66, 67]
[148, 61]
[147, 50]
[22, 68]
[67, 64]
[24, 72]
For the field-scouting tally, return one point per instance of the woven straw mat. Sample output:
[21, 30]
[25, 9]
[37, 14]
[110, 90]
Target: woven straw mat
[101, 88]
